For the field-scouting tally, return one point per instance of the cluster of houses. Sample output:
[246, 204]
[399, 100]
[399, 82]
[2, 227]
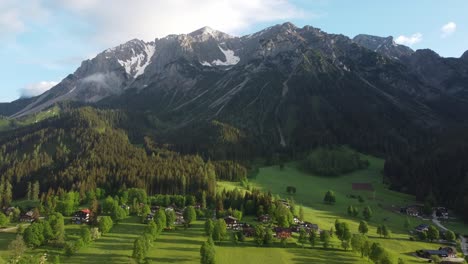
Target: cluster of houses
[179, 213]
[417, 210]
[280, 232]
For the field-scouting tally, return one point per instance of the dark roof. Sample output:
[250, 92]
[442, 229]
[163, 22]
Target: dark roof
[436, 252]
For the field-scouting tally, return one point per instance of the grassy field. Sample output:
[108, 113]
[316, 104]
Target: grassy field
[310, 192]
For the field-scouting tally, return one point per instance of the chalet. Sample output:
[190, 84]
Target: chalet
[264, 218]
[441, 212]
[429, 253]
[28, 217]
[412, 210]
[81, 217]
[422, 228]
[231, 222]
[282, 232]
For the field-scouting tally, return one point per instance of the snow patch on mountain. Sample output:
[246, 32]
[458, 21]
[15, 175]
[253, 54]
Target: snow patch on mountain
[229, 56]
[137, 64]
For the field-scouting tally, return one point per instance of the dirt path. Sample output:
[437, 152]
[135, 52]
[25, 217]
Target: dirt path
[9, 229]
[437, 222]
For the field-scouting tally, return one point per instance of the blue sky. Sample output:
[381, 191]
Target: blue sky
[42, 41]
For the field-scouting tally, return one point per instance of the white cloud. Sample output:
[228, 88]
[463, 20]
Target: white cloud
[34, 89]
[409, 40]
[15, 16]
[117, 21]
[448, 29]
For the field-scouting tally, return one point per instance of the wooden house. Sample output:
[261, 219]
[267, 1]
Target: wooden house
[81, 217]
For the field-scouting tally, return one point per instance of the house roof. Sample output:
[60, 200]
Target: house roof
[86, 211]
[436, 252]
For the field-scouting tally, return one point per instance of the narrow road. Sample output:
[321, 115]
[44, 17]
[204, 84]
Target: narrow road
[463, 245]
[463, 242]
[8, 229]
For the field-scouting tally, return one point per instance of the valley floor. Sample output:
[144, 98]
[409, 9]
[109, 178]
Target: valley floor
[182, 246]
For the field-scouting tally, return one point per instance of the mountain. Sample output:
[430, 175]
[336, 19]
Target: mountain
[283, 85]
[385, 46]
[274, 94]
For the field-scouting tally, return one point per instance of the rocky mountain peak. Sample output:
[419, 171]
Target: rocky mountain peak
[465, 56]
[383, 45]
[206, 33]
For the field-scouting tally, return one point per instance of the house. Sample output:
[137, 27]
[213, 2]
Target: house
[282, 232]
[9, 211]
[429, 253]
[81, 216]
[231, 222]
[412, 210]
[451, 252]
[441, 212]
[264, 218]
[28, 217]
[422, 228]
[125, 207]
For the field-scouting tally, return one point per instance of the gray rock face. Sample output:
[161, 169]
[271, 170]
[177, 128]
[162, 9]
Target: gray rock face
[385, 46]
[215, 68]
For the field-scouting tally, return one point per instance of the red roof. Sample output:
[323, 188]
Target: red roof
[86, 211]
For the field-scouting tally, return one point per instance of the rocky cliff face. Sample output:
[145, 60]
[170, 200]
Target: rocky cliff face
[279, 82]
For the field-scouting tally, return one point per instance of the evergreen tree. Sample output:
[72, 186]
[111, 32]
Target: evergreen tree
[363, 227]
[189, 215]
[207, 252]
[220, 230]
[312, 237]
[325, 238]
[432, 233]
[209, 227]
[302, 236]
[105, 224]
[367, 213]
[329, 197]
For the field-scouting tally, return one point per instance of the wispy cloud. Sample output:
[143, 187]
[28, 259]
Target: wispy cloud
[448, 29]
[409, 40]
[116, 21]
[15, 15]
[38, 88]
